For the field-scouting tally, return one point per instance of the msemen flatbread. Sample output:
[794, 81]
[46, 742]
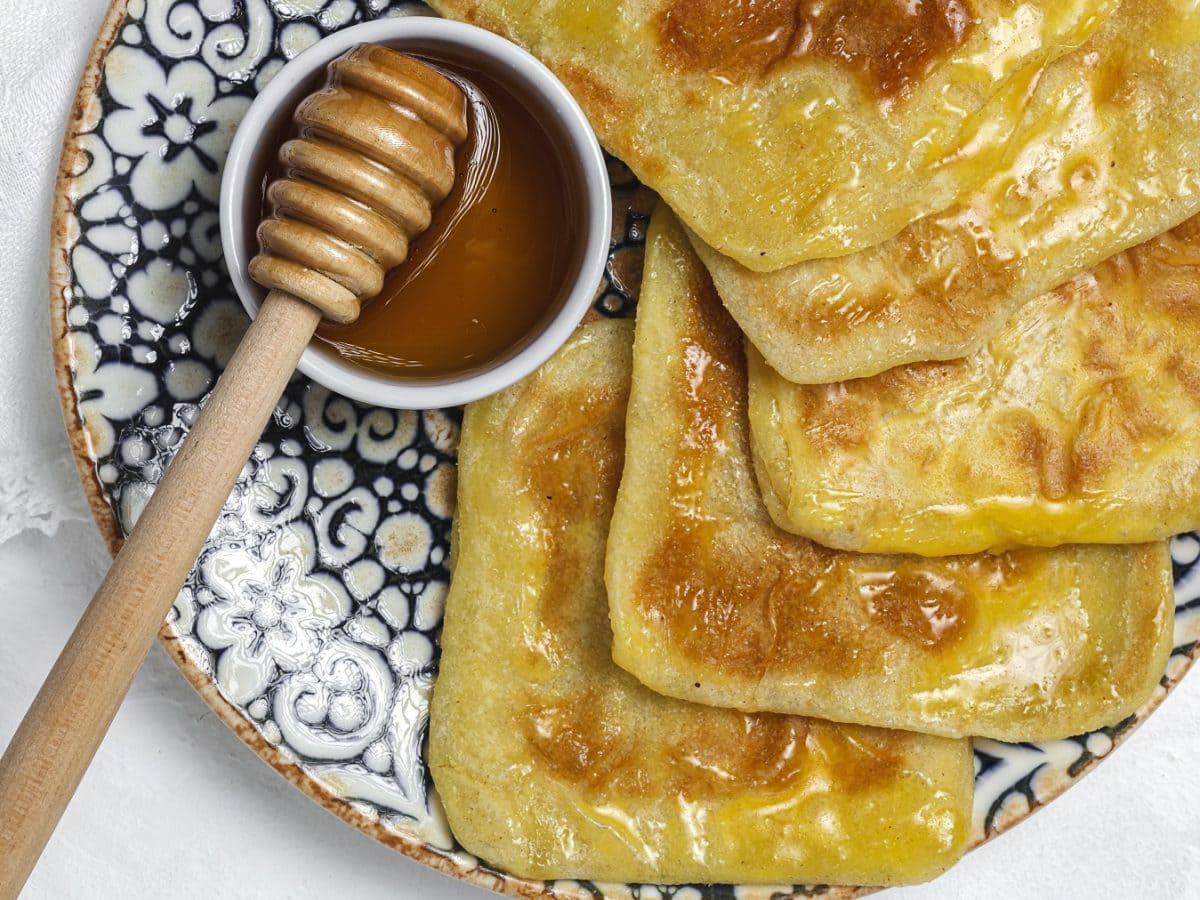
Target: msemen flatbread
[1108, 157]
[553, 763]
[783, 130]
[1078, 422]
[711, 602]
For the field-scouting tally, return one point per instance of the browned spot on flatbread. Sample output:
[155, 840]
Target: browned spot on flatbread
[1146, 290]
[1043, 453]
[743, 610]
[887, 44]
[924, 607]
[1112, 425]
[837, 416]
[1115, 83]
[731, 752]
[605, 109]
[572, 466]
[1187, 372]
[579, 740]
[834, 416]
[612, 116]
[597, 744]
[860, 758]
[752, 751]
[1166, 270]
[1100, 354]
[745, 614]
[944, 301]
[573, 471]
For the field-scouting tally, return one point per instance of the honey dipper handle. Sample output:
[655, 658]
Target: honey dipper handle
[71, 713]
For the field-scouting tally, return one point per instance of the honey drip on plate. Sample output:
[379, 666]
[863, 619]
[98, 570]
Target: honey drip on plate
[496, 260]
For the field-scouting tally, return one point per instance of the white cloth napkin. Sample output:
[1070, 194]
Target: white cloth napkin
[39, 68]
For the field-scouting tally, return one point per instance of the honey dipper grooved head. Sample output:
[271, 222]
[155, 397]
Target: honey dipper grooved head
[374, 156]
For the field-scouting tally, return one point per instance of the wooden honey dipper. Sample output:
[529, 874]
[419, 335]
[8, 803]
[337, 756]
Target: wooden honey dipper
[374, 156]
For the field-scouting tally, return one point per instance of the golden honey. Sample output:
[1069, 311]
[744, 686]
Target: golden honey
[496, 260]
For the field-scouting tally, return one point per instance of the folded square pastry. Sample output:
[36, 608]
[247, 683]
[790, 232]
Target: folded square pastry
[551, 762]
[1106, 156]
[1079, 422]
[714, 603]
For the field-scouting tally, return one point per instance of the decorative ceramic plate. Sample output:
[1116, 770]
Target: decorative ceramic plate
[311, 621]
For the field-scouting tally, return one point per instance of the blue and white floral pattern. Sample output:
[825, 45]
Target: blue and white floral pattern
[170, 125]
[316, 605]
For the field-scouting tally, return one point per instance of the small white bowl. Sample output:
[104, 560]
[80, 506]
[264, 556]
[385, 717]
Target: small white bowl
[256, 142]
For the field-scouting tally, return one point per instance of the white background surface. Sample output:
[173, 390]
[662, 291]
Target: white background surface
[176, 806]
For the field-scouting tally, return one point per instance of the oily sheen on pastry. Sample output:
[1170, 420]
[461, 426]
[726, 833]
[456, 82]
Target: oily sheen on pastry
[712, 602]
[1079, 421]
[1107, 156]
[784, 130]
[553, 763]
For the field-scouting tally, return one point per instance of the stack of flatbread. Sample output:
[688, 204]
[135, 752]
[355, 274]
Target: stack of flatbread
[888, 460]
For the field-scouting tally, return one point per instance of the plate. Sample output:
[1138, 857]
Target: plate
[311, 621]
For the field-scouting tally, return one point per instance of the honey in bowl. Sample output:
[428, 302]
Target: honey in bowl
[496, 260]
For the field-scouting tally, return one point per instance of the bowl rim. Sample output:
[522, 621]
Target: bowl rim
[376, 388]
